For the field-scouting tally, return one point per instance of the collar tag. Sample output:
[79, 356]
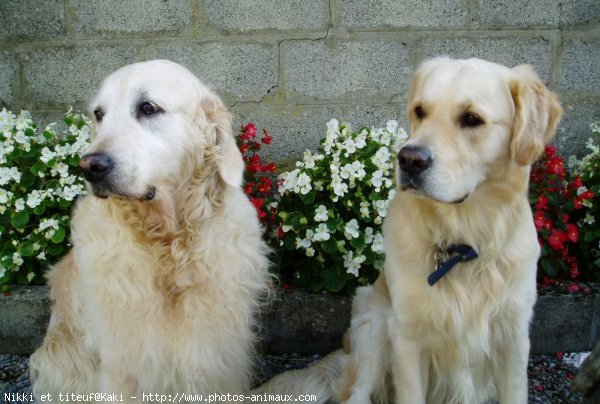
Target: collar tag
[454, 254]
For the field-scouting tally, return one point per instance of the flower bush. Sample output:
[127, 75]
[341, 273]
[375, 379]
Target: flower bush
[556, 202]
[588, 169]
[38, 183]
[259, 183]
[332, 206]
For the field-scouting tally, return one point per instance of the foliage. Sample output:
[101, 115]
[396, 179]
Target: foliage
[588, 169]
[556, 202]
[38, 183]
[332, 206]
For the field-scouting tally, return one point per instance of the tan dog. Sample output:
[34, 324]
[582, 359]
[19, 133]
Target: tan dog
[160, 291]
[442, 326]
[460, 336]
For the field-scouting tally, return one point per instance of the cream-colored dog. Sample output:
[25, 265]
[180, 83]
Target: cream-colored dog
[448, 321]
[457, 322]
[160, 291]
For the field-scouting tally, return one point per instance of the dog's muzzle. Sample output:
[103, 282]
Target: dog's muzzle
[96, 167]
[413, 160]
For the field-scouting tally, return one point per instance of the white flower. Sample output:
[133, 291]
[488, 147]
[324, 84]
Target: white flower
[34, 199]
[377, 180]
[349, 146]
[17, 260]
[340, 188]
[377, 244]
[289, 180]
[369, 235]
[381, 158]
[30, 276]
[303, 184]
[351, 229]
[3, 196]
[322, 233]
[391, 126]
[310, 252]
[321, 214]
[2, 269]
[306, 241]
[47, 224]
[19, 205]
[61, 169]
[352, 264]
[7, 174]
[41, 256]
[47, 155]
[589, 218]
[381, 207]
[364, 209]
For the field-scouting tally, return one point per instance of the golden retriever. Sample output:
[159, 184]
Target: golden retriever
[448, 321]
[160, 291]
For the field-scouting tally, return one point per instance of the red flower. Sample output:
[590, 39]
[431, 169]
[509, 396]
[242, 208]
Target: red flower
[577, 183]
[244, 148]
[265, 185]
[269, 168]
[572, 232]
[539, 219]
[266, 139]
[250, 130]
[559, 355]
[542, 202]
[572, 288]
[556, 239]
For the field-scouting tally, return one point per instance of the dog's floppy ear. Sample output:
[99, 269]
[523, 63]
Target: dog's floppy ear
[537, 113]
[229, 157]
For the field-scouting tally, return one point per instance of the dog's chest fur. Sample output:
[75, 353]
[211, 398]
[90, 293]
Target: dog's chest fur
[127, 300]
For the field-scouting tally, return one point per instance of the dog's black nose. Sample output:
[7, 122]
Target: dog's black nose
[414, 159]
[96, 166]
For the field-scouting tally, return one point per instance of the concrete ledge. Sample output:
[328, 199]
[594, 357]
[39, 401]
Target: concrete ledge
[314, 323]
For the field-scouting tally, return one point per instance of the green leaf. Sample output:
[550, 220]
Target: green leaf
[55, 250]
[27, 180]
[334, 278]
[330, 246]
[20, 219]
[48, 135]
[58, 236]
[26, 250]
[39, 210]
[358, 242]
[309, 198]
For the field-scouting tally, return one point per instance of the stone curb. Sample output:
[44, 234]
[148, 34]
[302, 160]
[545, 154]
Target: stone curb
[314, 323]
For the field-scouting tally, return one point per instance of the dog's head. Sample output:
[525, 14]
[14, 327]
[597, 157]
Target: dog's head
[152, 119]
[470, 120]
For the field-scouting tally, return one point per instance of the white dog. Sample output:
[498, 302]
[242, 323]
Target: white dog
[448, 321]
[160, 291]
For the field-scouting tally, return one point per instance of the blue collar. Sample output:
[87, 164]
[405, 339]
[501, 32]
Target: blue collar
[448, 258]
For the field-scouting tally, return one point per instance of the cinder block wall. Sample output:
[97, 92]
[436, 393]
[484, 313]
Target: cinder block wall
[291, 65]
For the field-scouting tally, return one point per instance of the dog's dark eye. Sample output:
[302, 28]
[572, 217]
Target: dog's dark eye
[419, 112]
[470, 120]
[99, 114]
[149, 108]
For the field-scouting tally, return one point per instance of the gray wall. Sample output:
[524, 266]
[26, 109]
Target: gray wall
[291, 65]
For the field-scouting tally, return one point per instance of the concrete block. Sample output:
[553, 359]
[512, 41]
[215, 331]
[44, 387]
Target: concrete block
[137, 16]
[581, 67]
[555, 328]
[8, 79]
[68, 76]
[296, 128]
[24, 316]
[32, 19]
[260, 15]
[373, 14]
[236, 71]
[579, 12]
[519, 13]
[574, 130]
[305, 323]
[334, 70]
[508, 51]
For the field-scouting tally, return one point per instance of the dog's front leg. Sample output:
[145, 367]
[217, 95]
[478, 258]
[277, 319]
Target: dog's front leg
[511, 384]
[409, 368]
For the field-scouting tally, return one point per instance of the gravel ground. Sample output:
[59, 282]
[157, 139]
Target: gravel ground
[549, 376]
